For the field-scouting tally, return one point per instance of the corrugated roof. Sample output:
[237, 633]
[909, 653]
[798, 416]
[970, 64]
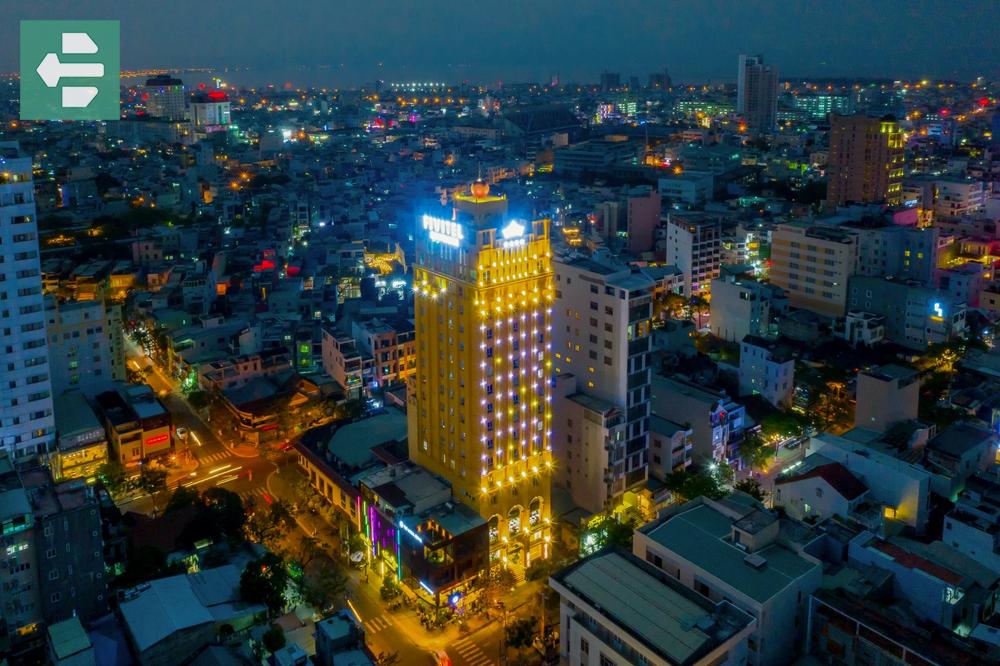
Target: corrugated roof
[169, 605]
[640, 603]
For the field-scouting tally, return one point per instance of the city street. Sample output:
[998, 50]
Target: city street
[786, 460]
[248, 475]
[217, 465]
[400, 631]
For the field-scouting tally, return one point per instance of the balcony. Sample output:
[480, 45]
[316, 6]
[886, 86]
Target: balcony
[637, 379]
[638, 346]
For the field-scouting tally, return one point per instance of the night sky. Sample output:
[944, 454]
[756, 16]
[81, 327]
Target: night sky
[519, 40]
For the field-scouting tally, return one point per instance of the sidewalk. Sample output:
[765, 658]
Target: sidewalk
[182, 470]
[281, 485]
[241, 449]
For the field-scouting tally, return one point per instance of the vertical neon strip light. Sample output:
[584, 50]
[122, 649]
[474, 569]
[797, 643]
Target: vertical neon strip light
[399, 558]
[368, 531]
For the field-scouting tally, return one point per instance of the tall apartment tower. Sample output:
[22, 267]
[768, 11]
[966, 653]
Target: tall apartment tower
[866, 160]
[27, 425]
[481, 410]
[165, 98]
[85, 348]
[601, 334]
[694, 246]
[757, 93]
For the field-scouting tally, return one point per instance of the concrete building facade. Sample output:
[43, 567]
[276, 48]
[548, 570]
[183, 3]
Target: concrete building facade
[601, 333]
[739, 308]
[716, 421]
[27, 424]
[482, 399]
[813, 264]
[734, 551]
[866, 160]
[915, 316]
[767, 370]
[757, 93]
[886, 395]
[82, 350]
[694, 246]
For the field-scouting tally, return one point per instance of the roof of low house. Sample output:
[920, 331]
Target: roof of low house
[702, 534]
[167, 606]
[650, 606]
[836, 475]
[958, 439]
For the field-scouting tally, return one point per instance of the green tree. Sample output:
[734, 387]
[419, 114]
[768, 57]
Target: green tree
[521, 633]
[263, 581]
[146, 563]
[273, 639]
[153, 481]
[351, 409]
[607, 531]
[133, 376]
[226, 509]
[267, 524]
[112, 473]
[309, 549]
[689, 485]
[752, 487]
[182, 498]
[198, 400]
[497, 585]
[782, 424]
[669, 305]
[324, 588]
[756, 453]
[390, 588]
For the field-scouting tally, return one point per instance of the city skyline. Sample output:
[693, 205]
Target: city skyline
[575, 41]
[648, 334]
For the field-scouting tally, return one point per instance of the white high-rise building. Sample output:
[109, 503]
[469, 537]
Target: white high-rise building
[694, 246]
[601, 334]
[27, 425]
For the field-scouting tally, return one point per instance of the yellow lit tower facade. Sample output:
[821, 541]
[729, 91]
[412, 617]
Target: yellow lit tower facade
[482, 407]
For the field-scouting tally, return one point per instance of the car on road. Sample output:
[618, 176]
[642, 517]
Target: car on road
[182, 433]
[441, 658]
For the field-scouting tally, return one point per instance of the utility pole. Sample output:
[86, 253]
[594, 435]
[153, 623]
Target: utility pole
[543, 595]
[503, 636]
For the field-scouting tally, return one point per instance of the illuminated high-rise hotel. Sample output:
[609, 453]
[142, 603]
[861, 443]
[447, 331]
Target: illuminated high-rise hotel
[481, 413]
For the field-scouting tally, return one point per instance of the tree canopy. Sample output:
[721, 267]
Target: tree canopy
[264, 581]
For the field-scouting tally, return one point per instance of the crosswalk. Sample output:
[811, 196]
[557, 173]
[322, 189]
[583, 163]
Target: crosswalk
[377, 624]
[259, 491]
[471, 653]
[215, 457]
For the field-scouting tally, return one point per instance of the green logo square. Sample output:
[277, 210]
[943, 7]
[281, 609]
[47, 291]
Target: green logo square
[70, 70]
